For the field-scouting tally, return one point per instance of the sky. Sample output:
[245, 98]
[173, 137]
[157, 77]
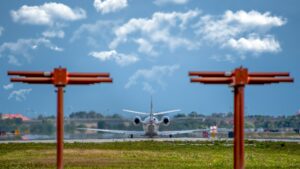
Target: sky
[148, 47]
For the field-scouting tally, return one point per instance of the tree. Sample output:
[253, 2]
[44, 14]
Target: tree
[46, 127]
[179, 115]
[229, 114]
[70, 128]
[85, 115]
[116, 116]
[193, 114]
[40, 117]
[101, 124]
[218, 115]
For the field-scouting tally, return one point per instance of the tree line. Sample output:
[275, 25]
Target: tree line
[46, 124]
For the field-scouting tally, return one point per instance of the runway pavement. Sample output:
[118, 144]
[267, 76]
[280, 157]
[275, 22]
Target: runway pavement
[143, 139]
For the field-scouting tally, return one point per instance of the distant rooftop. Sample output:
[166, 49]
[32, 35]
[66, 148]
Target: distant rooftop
[13, 116]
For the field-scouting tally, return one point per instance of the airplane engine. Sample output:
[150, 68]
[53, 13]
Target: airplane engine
[137, 120]
[165, 120]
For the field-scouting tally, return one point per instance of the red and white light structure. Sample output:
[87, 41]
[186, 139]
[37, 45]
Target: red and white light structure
[238, 79]
[60, 78]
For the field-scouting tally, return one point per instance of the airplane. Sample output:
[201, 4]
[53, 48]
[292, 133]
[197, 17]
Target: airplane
[150, 125]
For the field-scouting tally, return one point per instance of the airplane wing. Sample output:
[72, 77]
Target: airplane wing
[166, 112]
[167, 133]
[115, 131]
[135, 112]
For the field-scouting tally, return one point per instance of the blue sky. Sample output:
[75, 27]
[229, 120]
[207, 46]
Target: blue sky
[148, 47]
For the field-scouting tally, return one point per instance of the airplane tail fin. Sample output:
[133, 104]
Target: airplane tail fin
[151, 105]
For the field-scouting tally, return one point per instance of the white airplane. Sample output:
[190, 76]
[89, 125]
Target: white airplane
[150, 125]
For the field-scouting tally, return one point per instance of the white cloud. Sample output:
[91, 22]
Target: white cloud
[256, 45]
[47, 14]
[164, 2]
[108, 6]
[91, 32]
[155, 75]
[148, 88]
[22, 47]
[232, 24]
[20, 94]
[13, 60]
[54, 34]
[223, 58]
[241, 31]
[254, 18]
[8, 86]
[157, 30]
[120, 58]
[1, 30]
[145, 47]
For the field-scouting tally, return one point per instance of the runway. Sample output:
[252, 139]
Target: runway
[144, 139]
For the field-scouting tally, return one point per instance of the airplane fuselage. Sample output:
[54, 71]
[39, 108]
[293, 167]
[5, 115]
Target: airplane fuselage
[151, 126]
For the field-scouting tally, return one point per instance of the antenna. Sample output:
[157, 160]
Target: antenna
[151, 105]
[151, 108]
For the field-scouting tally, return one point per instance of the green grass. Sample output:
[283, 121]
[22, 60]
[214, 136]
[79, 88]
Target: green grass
[150, 154]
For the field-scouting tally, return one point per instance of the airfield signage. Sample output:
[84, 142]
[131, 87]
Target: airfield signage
[238, 79]
[60, 78]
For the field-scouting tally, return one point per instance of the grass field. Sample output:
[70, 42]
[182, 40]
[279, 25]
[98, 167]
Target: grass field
[149, 154]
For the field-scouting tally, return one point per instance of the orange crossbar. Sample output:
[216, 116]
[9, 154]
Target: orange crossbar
[47, 74]
[27, 74]
[270, 74]
[208, 74]
[73, 80]
[262, 80]
[42, 80]
[211, 80]
[76, 74]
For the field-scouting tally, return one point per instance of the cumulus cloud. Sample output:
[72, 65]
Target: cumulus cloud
[13, 60]
[256, 45]
[120, 58]
[223, 58]
[22, 47]
[164, 2]
[94, 37]
[254, 18]
[8, 86]
[19, 95]
[1, 30]
[145, 47]
[155, 30]
[148, 88]
[241, 31]
[47, 14]
[155, 75]
[54, 34]
[108, 6]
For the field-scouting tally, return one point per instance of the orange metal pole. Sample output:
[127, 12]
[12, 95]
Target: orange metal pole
[238, 79]
[60, 78]
[239, 127]
[60, 127]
